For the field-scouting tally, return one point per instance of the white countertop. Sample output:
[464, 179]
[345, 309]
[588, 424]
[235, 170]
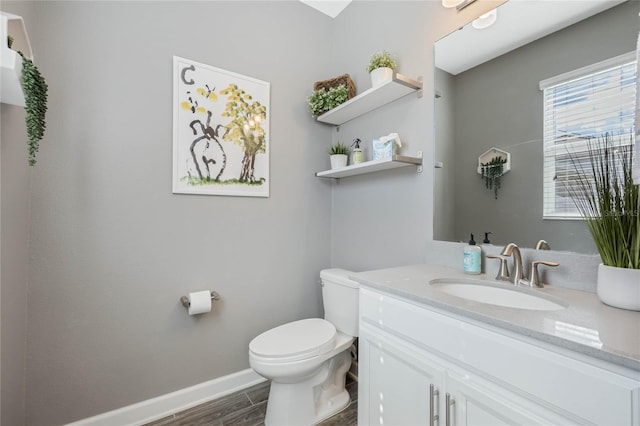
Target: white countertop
[586, 325]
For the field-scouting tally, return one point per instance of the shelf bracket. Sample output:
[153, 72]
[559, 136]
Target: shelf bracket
[419, 155]
[420, 92]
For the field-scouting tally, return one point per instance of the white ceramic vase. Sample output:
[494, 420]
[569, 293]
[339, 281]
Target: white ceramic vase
[380, 76]
[338, 161]
[619, 287]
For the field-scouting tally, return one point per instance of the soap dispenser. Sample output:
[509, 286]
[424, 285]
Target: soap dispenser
[472, 258]
[486, 238]
[356, 153]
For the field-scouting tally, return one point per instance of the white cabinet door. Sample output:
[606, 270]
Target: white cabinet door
[476, 402]
[495, 378]
[394, 381]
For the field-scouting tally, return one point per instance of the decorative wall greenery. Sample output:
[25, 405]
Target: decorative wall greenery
[492, 172]
[35, 94]
[321, 100]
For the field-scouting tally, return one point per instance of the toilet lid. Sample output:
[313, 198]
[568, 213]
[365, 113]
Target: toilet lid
[296, 340]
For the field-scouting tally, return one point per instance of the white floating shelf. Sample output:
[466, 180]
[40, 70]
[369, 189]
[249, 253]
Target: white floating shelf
[372, 166]
[11, 62]
[396, 88]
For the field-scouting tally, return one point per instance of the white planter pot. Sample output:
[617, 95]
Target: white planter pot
[338, 161]
[380, 76]
[619, 287]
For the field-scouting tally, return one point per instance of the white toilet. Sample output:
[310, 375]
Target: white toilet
[307, 360]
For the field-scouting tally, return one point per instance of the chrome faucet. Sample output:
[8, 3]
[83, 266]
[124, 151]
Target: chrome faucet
[518, 273]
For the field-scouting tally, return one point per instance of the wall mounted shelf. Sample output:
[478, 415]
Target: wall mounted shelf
[396, 88]
[373, 166]
[491, 154]
[11, 62]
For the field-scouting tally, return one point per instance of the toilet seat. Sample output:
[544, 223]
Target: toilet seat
[295, 341]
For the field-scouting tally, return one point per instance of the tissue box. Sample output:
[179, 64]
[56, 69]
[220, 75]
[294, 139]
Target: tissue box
[385, 147]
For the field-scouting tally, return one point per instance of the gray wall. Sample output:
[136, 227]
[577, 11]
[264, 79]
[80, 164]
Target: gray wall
[112, 249]
[499, 104]
[385, 219]
[15, 184]
[380, 219]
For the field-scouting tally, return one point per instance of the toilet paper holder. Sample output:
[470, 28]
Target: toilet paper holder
[185, 300]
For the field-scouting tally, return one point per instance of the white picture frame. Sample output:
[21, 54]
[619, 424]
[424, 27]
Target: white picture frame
[220, 131]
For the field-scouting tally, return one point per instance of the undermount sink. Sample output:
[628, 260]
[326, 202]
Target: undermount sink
[497, 294]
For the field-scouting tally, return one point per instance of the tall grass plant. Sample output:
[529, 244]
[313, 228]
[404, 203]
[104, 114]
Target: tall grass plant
[609, 202]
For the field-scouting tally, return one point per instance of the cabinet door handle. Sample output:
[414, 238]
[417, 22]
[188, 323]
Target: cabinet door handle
[449, 402]
[433, 418]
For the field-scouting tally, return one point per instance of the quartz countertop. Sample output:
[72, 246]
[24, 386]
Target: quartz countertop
[586, 325]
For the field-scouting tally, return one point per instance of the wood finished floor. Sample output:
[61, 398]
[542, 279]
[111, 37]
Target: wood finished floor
[247, 408]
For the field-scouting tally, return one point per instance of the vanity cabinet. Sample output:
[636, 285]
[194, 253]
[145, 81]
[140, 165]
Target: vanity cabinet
[399, 381]
[413, 358]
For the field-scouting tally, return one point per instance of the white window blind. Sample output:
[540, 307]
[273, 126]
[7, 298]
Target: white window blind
[579, 106]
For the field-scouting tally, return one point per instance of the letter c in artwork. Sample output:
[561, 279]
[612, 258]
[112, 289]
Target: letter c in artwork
[184, 71]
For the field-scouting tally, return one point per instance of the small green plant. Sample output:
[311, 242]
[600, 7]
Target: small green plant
[35, 94]
[321, 101]
[380, 60]
[492, 172]
[339, 149]
[609, 201]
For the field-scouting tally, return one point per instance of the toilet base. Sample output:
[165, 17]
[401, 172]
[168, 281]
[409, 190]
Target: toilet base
[314, 399]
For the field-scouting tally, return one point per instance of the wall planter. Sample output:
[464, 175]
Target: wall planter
[22, 84]
[492, 165]
[11, 64]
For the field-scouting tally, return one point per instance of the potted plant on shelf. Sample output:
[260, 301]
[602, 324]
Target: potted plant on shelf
[322, 100]
[609, 202]
[381, 67]
[338, 154]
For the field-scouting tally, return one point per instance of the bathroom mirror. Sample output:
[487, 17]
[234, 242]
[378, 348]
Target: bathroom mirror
[488, 96]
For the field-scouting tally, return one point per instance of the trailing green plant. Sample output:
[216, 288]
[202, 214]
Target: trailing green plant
[35, 94]
[380, 60]
[609, 202]
[492, 172]
[339, 149]
[321, 100]
[9, 41]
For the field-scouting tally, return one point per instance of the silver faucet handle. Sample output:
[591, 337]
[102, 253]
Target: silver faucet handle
[503, 273]
[535, 279]
[542, 245]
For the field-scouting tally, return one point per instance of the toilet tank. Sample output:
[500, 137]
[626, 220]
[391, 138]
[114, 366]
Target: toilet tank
[340, 299]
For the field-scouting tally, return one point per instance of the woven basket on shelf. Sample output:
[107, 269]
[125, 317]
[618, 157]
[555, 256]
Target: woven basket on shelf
[335, 82]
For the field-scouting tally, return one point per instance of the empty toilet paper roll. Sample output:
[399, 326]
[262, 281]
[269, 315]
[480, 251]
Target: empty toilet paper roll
[199, 302]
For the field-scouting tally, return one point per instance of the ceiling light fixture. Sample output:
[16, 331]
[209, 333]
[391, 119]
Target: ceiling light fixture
[486, 20]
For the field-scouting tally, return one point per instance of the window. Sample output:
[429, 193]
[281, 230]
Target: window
[578, 106]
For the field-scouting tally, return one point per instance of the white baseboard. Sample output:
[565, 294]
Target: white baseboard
[165, 405]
